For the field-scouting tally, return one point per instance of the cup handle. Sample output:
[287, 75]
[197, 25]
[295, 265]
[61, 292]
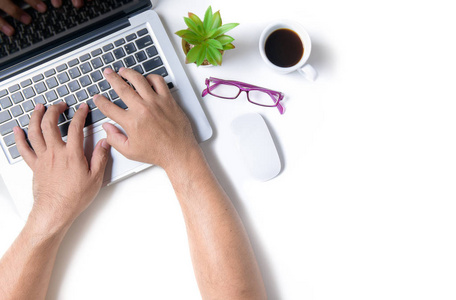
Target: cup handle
[308, 72]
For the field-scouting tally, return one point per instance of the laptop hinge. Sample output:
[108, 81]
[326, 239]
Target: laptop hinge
[64, 48]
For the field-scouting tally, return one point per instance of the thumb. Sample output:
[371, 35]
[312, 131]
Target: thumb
[100, 158]
[116, 138]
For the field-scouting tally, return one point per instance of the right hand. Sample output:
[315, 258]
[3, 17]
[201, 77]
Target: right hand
[9, 7]
[158, 131]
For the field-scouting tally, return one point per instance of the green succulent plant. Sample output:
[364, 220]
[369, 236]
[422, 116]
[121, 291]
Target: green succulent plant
[207, 37]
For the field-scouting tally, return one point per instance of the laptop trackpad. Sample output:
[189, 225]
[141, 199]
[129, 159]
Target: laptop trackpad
[119, 166]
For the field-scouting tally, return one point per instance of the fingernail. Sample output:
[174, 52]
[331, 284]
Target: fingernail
[8, 30]
[108, 71]
[41, 7]
[95, 97]
[121, 69]
[38, 106]
[82, 105]
[105, 145]
[16, 129]
[26, 19]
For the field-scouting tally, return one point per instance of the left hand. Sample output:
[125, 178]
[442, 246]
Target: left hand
[64, 183]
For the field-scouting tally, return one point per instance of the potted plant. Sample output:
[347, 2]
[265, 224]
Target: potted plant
[204, 42]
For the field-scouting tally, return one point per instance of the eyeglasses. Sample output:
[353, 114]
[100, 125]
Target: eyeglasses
[229, 89]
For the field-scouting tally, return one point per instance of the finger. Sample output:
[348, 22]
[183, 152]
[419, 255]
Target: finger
[56, 3]
[38, 5]
[27, 154]
[139, 82]
[116, 138]
[99, 159]
[110, 110]
[16, 12]
[35, 134]
[75, 138]
[51, 132]
[123, 89]
[78, 3]
[158, 83]
[6, 28]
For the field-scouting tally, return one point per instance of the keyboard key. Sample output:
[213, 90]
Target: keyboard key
[91, 104]
[63, 77]
[96, 52]
[37, 78]
[9, 140]
[24, 120]
[64, 129]
[108, 47]
[151, 51]
[3, 93]
[94, 116]
[74, 86]
[138, 69]
[170, 85]
[96, 76]
[40, 87]
[104, 85]
[120, 104]
[40, 99]
[129, 61]
[142, 32]
[51, 96]
[97, 63]
[16, 111]
[52, 82]
[144, 42]
[4, 116]
[162, 72]
[130, 48]
[82, 95]
[61, 119]
[7, 127]
[130, 37]
[73, 62]
[69, 113]
[85, 81]
[119, 53]
[93, 89]
[28, 105]
[117, 65]
[25, 83]
[62, 91]
[14, 88]
[86, 68]
[29, 93]
[14, 152]
[119, 42]
[152, 64]
[84, 57]
[70, 100]
[49, 73]
[113, 95]
[17, 97]
[61, 68]
[107, 58]
[141, 56]
[5, 102]
[74, 73]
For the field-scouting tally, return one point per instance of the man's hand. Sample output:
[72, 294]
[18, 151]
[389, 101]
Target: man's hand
[158, 131]
[9, 7]
[64, 183]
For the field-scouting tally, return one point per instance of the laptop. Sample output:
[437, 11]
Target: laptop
[62, 59]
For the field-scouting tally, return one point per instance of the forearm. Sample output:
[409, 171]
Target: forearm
[224, 262]
[26, 268]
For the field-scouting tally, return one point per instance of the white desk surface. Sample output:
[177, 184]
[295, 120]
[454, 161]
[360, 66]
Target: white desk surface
[365, 205]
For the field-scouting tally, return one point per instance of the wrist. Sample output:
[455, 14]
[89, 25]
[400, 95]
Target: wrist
[49, 224]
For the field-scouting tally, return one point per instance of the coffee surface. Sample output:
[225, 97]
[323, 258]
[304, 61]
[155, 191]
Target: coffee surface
[284, 48]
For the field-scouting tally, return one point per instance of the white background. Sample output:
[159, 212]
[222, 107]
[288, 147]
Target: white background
[364, 207]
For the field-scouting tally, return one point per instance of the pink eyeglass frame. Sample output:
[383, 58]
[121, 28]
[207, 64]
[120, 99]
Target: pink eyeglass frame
[244, 87]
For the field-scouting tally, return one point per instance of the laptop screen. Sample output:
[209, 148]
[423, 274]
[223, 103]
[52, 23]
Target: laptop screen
[58, 26]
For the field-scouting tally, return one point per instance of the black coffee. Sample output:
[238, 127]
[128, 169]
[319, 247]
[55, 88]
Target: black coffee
[284, 48]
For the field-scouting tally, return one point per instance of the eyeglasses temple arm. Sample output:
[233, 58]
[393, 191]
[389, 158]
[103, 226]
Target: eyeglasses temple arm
[206, 90]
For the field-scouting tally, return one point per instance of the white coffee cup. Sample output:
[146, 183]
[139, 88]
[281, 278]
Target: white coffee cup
[301, 66]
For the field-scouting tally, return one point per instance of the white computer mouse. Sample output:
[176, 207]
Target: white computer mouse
[256, 146]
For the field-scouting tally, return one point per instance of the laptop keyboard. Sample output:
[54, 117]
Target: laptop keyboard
[75, 82]
[50, 23]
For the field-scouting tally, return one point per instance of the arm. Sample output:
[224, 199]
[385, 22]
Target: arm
[158, 132]
[60, 196]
